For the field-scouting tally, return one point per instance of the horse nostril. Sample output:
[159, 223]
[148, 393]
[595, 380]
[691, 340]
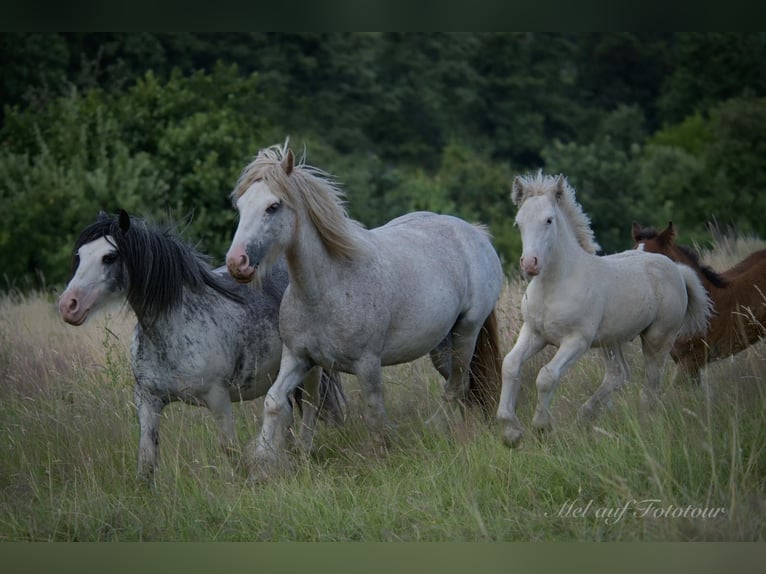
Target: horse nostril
[244, 261]
[73, 304]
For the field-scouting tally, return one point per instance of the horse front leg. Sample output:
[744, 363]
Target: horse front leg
[527, 344]
[149, 407]
[269, 454]
[549, 377]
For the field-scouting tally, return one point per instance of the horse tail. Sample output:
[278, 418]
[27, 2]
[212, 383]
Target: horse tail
[484, 379]
[699, 307]
[332, 399]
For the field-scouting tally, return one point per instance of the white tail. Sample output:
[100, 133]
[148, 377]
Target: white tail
[699, 307]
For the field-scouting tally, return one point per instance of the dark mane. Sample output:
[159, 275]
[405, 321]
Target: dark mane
[645, 233]
[710, 274]
[158, 264]
[649, 233]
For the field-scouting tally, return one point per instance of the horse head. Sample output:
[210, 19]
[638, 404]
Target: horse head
[266, 220]
[653, 241]
[98, 271]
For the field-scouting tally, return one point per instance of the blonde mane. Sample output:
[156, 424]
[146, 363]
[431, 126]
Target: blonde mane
[310, 187]
[562, 194]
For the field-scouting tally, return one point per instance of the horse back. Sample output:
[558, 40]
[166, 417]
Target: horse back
[752, 268]
[430, 255]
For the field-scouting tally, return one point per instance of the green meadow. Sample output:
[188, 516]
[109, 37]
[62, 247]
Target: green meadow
[693, 469]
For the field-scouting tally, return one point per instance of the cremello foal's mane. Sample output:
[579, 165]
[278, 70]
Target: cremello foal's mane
[561, 193]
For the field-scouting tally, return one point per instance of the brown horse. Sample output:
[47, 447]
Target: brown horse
[738, 295]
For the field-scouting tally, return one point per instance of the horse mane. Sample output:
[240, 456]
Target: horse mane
[159, 265]
[315, 189]
[559, 190]
[689, 253]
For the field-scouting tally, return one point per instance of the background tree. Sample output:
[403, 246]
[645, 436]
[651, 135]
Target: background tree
[647, 127]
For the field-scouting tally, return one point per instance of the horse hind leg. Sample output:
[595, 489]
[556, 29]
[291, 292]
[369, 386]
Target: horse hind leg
[549, 378]
[441, 357]
[320, 396]
[369, 375]
[463, 336]
[656, 346]
[219, 403]
[616, 374]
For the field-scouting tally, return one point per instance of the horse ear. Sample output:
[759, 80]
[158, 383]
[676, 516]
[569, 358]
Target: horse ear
[124, 220]
[102, 215]
[636, 230]
[517, 190]
[288, 162]
[560, 186]
[668, 234]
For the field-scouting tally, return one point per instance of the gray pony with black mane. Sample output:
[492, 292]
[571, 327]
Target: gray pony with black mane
[201, 337]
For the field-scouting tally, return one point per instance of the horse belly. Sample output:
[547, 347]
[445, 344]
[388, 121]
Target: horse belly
[644, 295]
[186, 363]
[403, 346]
[422, 319]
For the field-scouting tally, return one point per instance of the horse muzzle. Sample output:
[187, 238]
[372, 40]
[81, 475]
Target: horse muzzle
[530, 265]
[239, 266]
[72, 310]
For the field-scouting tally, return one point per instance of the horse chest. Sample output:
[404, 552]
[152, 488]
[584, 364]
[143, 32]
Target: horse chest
[555, 313]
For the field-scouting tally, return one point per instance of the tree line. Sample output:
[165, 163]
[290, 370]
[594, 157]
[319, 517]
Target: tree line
[647, 127]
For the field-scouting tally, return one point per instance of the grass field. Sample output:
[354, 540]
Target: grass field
[693, 470]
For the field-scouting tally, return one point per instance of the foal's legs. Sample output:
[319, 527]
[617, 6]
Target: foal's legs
[616, 374]
[527, 344]
[549, 377]
[656, 347]
[149, 408]
[277, 414]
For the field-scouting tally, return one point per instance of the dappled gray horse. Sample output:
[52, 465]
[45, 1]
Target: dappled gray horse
[201, 338]
[359, 299]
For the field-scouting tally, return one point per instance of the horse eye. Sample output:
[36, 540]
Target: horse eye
[271, 209]
[549, 221]
[109, 258]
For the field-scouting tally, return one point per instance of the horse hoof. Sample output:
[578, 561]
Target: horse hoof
[512, 437]
[586, 414]
[542, 425]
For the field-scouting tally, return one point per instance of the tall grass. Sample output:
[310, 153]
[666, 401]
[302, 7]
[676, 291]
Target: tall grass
[695, 469]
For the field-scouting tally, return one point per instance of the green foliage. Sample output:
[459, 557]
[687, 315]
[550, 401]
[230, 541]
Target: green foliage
[201, 131]
[66, 164]
[706, 170]
[711, 67]
[157, 150]
[649, 127]
[604, 174]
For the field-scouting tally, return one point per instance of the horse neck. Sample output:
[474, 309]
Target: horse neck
[312, 268]
[566, 254]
